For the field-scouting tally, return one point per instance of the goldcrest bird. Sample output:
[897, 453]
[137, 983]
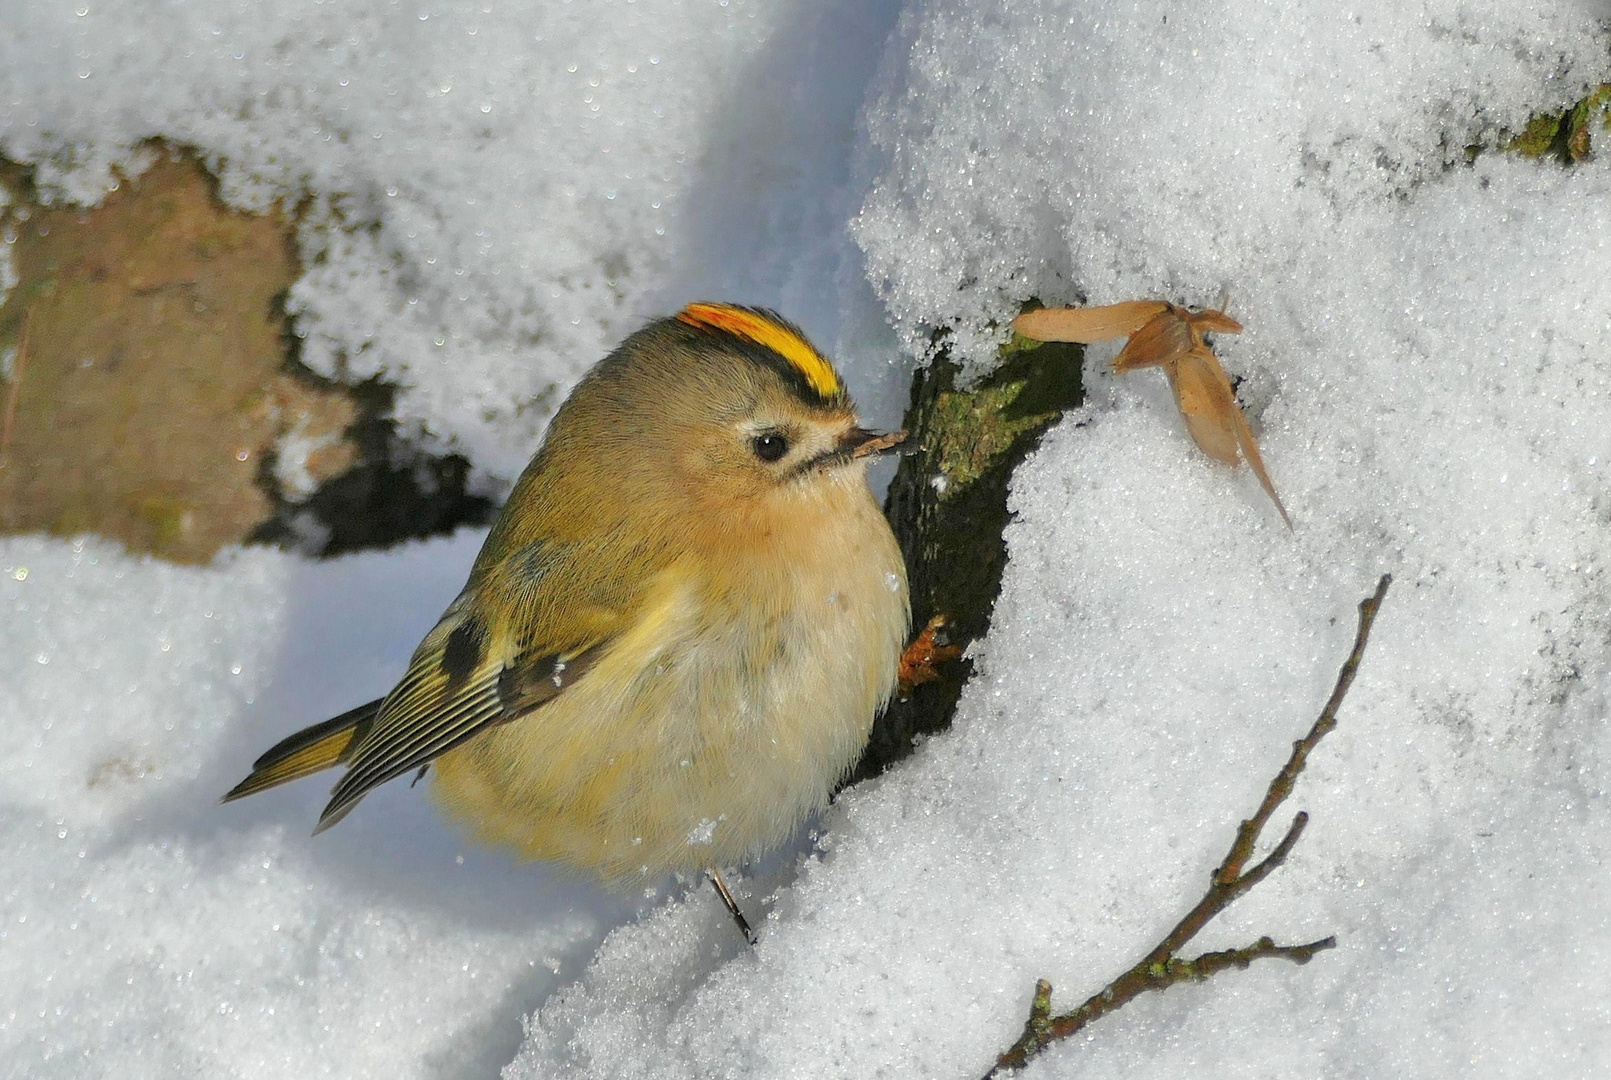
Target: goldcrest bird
[674, 640]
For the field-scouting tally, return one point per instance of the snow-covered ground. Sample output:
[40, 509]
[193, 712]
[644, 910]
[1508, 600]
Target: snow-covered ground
[501, 194]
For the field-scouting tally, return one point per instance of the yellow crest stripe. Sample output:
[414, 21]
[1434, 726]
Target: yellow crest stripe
[787, 343]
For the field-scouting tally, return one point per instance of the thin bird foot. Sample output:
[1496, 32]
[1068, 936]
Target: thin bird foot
[920, 662]
[732, 905]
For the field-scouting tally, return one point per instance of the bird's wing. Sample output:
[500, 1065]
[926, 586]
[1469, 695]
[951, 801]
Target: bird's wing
[470, 673]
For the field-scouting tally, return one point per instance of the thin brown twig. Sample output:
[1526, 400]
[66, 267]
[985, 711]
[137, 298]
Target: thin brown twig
[14, 384]
[1161, 968]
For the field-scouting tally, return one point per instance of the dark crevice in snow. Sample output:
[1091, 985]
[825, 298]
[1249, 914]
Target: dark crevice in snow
[395, 491]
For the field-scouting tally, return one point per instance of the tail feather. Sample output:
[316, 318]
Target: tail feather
[308, 751]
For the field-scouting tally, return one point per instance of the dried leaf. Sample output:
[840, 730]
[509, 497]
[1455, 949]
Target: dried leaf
[1208, 321]
[1207, 402]
[1171, 337]
[1164, 338]
[1170, 334]
[1088, 325]
[1250, 449]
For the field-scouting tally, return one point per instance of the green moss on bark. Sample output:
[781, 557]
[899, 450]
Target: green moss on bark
[1568, 135]
[948, 506]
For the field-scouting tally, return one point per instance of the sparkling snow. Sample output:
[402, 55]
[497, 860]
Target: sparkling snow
[1427, 363]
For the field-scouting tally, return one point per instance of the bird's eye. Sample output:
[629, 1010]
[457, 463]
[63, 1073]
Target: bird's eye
[770, 445]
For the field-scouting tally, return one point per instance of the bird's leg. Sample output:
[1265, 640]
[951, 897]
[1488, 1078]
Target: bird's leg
[732, 905]
[920, 662]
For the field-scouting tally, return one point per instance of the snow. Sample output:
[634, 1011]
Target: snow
[146, 931]
[1427, 363]
[499, 193]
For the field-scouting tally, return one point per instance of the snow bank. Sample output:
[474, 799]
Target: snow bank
[147, 931]
[1426, 361]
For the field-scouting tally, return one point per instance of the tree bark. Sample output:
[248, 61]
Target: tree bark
[948, 507]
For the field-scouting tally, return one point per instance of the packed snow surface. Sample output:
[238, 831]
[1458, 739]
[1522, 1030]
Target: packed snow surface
[1427, 362]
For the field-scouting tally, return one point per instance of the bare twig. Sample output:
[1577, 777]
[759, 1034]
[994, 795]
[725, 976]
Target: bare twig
[14, 384]
[1161, 968]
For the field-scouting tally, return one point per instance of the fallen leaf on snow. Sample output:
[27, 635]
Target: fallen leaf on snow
[1171, 337]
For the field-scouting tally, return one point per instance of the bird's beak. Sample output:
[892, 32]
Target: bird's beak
[860, 443]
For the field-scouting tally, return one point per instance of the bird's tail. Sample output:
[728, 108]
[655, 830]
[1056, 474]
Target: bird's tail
[308, 751]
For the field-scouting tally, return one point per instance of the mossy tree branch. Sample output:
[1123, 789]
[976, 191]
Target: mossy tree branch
[948, 507]
[1568, 135]
[1161, 968]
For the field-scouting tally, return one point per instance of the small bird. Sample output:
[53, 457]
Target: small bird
[674, 640]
